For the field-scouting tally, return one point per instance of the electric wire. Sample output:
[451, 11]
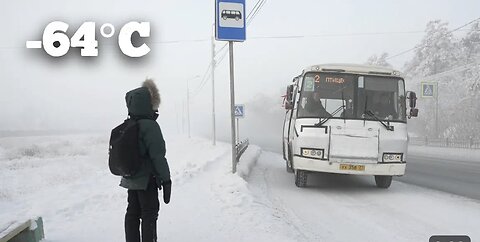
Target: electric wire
[420, 46]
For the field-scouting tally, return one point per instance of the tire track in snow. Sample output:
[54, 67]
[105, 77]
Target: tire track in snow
[258, 184]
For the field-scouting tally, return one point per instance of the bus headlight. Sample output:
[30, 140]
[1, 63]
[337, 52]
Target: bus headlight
[312, 153]
[392, 157]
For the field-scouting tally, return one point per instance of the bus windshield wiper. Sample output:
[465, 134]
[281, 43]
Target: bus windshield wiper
[385, 124]
[325, 119]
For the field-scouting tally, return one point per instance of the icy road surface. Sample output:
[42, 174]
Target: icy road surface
[451, 170]
[65, 179]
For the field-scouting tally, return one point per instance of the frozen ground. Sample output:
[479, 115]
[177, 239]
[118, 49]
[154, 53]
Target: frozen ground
[65, 179]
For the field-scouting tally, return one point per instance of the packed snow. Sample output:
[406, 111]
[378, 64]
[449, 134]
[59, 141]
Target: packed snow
[65, 179]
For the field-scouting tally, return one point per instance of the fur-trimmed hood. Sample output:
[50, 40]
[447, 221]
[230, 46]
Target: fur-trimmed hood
[144, 101]
[154, 94]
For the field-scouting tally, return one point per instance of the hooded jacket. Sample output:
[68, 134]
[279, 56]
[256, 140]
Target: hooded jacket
[142, 104]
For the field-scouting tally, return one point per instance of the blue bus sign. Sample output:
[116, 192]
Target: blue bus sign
[230, 24]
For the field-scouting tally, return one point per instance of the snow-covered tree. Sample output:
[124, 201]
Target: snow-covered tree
[379, 60]
[467, 110]
[470, 44]
[453, 65]
[436, 51]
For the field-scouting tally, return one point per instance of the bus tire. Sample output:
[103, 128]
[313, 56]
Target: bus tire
[383, 181]
[301, 178]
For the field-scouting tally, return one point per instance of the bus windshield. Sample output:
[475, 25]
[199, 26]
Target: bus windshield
[349, 96]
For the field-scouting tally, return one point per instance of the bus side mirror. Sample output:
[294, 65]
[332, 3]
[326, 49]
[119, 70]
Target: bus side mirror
[412, 98]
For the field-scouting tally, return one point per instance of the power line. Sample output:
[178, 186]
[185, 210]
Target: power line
[256, 11]
[325, 35]
[453, 70]
[222, 57]
[204, 80]
[254, 7]
[420, 46]
[321, 35]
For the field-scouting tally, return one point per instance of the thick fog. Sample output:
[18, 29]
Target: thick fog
[74, 93]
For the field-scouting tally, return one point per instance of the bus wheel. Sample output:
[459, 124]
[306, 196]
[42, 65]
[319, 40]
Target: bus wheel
[383, 181]
[301, 178]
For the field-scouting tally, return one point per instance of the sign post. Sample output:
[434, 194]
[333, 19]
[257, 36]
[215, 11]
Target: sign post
[230, 26]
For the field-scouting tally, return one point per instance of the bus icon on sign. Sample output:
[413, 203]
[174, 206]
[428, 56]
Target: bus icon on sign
[232, 14]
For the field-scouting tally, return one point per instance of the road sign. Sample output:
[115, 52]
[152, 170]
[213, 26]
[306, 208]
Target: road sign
[239, 111]
[428, 89]
[230, 24]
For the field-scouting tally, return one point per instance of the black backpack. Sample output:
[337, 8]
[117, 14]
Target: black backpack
[124, 155]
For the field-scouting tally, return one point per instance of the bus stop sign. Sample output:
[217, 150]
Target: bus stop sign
[230, 24]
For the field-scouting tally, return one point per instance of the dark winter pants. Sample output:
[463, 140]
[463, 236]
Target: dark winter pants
[142, 205]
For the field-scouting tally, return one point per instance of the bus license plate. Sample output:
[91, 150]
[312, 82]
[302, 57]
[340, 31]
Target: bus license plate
[352, 167]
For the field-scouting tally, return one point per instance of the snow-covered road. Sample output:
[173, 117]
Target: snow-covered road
[65, 179]
[455, 176]
[351, 208]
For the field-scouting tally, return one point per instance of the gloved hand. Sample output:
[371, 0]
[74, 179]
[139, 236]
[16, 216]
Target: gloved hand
[167, 191]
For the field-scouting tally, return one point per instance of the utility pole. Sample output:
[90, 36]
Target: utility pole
[188, 109]
[436, 111]
[213, 86]
[188, 103]
[183, 116]
[177, 120]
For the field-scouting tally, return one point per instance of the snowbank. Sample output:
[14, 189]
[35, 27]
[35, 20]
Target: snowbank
[248, 161]
[457, 154]
[66, 180]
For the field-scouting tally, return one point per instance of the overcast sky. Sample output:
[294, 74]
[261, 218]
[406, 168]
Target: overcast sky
[73, 92]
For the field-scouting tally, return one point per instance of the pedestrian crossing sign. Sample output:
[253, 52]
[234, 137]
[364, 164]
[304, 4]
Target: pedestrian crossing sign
[239, 111]
[428, 89]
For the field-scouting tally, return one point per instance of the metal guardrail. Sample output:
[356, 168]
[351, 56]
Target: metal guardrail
[453, 143]
[241, 147]
[28, 231]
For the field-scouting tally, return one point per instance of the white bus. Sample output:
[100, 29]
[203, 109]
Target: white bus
[347, 119]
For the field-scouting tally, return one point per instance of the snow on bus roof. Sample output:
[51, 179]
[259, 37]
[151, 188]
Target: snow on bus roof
[354, 68]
